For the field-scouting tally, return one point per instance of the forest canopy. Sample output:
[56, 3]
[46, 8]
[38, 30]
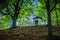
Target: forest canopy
[15, 10]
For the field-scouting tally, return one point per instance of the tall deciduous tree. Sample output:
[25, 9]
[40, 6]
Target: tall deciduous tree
[17, 6]
[13, 8]
[49, 10]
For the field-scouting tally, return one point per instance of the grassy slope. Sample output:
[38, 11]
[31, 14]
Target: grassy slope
[27, 33]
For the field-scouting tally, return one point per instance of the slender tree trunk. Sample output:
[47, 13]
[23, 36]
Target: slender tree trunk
[49, 26]
[14, 23]
[56, 17]
[49, 20]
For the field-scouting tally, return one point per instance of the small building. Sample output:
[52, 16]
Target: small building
[37, 20]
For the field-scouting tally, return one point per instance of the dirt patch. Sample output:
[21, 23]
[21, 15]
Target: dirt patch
[27, 33]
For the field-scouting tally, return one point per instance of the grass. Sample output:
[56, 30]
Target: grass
[29, 33]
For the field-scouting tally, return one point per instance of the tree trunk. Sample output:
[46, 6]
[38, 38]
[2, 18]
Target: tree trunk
[49, 20]
[56, 17]
[13, 23]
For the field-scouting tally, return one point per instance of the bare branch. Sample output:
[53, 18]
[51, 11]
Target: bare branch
[53, 7]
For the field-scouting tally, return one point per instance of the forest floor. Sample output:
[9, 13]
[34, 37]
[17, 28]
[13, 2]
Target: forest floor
[29, 33]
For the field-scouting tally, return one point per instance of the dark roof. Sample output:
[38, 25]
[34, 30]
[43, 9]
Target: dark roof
[37, 17]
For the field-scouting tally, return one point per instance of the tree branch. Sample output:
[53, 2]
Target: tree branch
[9, 14]
[53, 7]
[11, 6]
[3, 13]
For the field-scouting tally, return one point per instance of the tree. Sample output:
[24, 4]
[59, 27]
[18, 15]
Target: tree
[13, 8]
[17, 6]
[49, 10]
[50, 5]
[15, 16]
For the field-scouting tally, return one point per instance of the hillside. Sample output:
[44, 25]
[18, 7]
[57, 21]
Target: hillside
[28, 33]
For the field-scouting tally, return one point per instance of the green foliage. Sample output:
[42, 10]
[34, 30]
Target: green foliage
[27, 9]
[4, 22]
